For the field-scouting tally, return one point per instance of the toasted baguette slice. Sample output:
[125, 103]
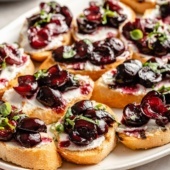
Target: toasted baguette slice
[27, 68]
[95, 155]
[114, 97]
[41, 157]
[92, 156]
[156, 138]
[42, 54]
[33, 108]
[93, 71]
[102, 32]
[139, 6]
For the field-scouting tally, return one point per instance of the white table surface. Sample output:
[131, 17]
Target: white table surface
[9, 11]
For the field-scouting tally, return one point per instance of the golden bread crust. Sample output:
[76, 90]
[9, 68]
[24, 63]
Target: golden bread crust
[139, 7]
[95, 155]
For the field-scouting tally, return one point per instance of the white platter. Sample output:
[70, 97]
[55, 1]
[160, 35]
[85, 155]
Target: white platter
[122, 157]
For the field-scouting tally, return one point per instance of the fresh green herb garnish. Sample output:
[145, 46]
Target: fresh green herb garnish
[136, 34]
[100, 107]
[164, 89]
[87, 41]
[5, 109]
[60, 128]
[69, 53]
[108, 13]
[40, 73]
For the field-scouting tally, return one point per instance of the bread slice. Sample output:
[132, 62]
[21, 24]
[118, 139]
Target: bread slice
[33, 108]
[27, 68]
[155, 138]
[93, 71]
[41, 157]
[92, 156]
[42, 54]
[114, 97]
[103, 32]
[140, 6]
[95, 155]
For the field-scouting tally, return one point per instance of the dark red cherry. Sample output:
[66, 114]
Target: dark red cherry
[85, 26]
[6, 134]
[28, 139]
[81, 106]
[133, 116]
[165, 9]
[93, 13]
[127, 72]
[32, 125]
[60, 79]
[153, 107]
[46, 97]
[33, 19]
[112, 5]
[102, 54]
[54, 70]
[39, 38]
[102, 127]
[117, 20]
[68, 15]
[100, 115]
[162, 121]
[27, 85]
[147, 77]
[84, 132]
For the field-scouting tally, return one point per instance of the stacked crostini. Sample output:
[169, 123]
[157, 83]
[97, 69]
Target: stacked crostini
[87, 58]
[48, 93]
[101, 20]
[13, 63]
[46, 30]
[22, 139]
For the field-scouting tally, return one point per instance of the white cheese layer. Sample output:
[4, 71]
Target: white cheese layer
[11, 71]
[55, 41]
[72, 147]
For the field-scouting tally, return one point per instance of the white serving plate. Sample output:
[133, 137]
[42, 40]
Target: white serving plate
[122, 157]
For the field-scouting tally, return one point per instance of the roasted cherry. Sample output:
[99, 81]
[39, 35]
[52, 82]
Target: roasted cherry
[153, 106]
[128, 71]
[133, 116]
[32, 125]
[147, 77]
[83, 133]
[46, 96]
[27, 139]
[81, 107]
[27, 85]
[6, 134]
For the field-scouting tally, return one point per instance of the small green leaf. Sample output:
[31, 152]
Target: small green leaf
[87, 119]
[16, 117]
[69, 54]
[71, 122]
[3, 65]
[40, 73]
[5, 109]
[100, 106]
[87, 41]
[136, 34]
[164, 89]
[60, 128]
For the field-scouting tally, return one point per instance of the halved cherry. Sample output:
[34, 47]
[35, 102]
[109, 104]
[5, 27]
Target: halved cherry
[54, 70]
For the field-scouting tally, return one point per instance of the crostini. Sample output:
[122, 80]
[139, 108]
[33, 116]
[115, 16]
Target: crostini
[130, 81]
[161, 11]
[24, 141]
[13, 63]
[87, 58]
[99, 21]
[140, 6]
[46, 30]
[145, 125]
[147, 38]
[48, 93]
[85, 131]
